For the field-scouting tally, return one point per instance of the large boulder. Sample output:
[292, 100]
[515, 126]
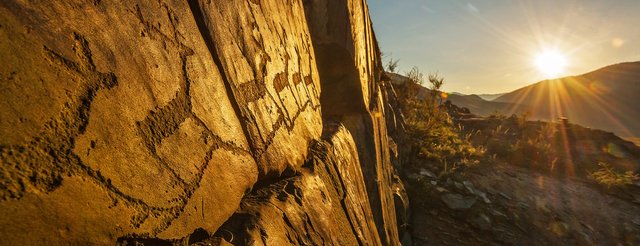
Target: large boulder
[144, 118]
[172, 121]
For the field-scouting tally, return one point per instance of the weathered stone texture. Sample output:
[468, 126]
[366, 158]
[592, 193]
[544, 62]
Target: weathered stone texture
[123, 118]
[264, 49]
[351, 78]
[324, 204]
[160, 121]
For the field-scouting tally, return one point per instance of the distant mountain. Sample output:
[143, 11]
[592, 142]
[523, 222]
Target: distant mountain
[482, 107]
[607, 98]
[474, 103]
[490, 97]
[486, 97]
[457, 93]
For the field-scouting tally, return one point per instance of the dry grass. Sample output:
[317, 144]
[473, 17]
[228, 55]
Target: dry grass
[609, 177]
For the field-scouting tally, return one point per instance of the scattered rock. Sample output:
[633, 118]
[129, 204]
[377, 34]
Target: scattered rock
[523, 205]
[434, 182]
[497, 213]
[492, 191]
[469, 186]
[636, 221]
[458, 185]
[482, 221]
[414, 176]
[425, 172]
[586, 226]
[440, 189]
[448, 182]
[483, 196]
[504, 195]
[457, 201]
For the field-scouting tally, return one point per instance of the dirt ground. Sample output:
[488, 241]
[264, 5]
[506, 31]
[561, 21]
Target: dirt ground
[522, 207]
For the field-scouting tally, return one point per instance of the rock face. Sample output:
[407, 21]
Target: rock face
[139, 120]
[354, 93]
[326, 204]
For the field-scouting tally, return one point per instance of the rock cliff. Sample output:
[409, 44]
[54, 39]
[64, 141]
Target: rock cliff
[251, 122]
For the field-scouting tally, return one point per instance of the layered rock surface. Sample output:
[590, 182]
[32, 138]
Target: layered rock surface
[135, 120]
[324, 204]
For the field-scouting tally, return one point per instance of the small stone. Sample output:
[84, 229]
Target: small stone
[458, 185]
[434, 182]
[469, 186]
[425, 172]
[505, 196]
[483, 196]
[497, 213]
[440, 189]
[448, 181]
[457, 201]
[414, 176]
[586, 226]
[482, 221]
[636, 221]
[523, 205]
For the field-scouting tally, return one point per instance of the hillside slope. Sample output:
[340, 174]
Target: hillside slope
[475, 103]
[482, 107]
[534, 186]
[606, 99]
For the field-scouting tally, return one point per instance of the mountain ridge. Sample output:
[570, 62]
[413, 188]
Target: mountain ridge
[603, 98]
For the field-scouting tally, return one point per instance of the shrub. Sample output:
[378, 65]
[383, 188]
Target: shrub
[431, 134]
[392, 65]
[609, 177]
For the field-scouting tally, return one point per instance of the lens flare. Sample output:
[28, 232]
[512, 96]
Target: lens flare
[551, 62]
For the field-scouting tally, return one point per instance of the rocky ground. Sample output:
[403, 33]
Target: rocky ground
[521, 183]
[506, 204]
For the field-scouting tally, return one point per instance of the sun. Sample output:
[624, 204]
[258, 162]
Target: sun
[551, 62]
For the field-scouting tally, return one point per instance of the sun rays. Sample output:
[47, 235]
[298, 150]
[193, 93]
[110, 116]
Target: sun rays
[551, 62]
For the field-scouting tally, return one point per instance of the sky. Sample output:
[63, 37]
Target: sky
[491, 46]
